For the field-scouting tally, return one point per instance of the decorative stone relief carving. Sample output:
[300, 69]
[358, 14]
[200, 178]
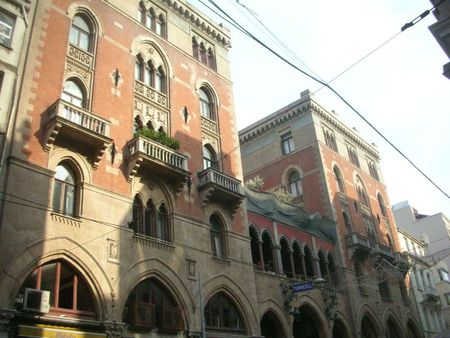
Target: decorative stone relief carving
[74, 69]
[157, 117]
[80, 56]
[113, 250]
[211, 140]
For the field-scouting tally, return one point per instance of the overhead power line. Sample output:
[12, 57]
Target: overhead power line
[225, 16]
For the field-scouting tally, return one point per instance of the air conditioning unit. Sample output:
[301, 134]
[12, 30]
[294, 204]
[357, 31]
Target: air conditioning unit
[36, 300]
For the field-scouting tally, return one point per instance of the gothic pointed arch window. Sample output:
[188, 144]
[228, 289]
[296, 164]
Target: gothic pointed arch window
[297, 253]
[309, 261]
[254, 245]
[137, 223]
[160, 82]
[149, 74]
[81, 32]
[286, 258]
[382, 205]
[195, 48]
[160, 25]
[162, 223]
[267, 249]
[149, 219]
[361, 191]
[65, 190]
[203, 53]
[323, 265]
[339, 179]
[151, 305]
[139, 68]
[221, 314]
[210, 59]
[70, 294]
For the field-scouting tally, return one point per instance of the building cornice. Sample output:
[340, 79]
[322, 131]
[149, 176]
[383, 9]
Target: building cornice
[304, 105]
[214, 31]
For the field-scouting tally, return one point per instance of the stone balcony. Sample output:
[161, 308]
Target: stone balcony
[147, 156]
[383, 251]
[358, 243]
[218, 187]
[76, 127]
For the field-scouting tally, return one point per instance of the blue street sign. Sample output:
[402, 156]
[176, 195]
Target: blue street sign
[299, 287]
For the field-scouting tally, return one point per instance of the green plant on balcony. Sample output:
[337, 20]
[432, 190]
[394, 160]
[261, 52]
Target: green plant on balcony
[159, 136]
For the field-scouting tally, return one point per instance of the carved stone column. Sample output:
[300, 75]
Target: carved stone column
[114, 329]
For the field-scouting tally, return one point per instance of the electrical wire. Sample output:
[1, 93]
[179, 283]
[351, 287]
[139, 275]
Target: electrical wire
[225, 16]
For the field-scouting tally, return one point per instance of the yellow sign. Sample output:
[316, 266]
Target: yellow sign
[56, 332]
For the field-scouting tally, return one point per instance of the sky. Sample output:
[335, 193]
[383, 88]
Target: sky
[400, 88]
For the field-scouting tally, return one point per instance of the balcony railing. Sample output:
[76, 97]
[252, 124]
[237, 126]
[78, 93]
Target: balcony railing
[162, 160]
[220, 188]
[383, 250]
[355, 239]
[63, 119]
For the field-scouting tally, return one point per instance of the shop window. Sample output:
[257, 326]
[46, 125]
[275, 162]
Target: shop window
[222, 315]
[70, 295]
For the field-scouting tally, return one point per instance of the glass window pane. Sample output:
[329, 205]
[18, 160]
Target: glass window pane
[73, 37]
[64, 174]
[79, 22]
[48, 277]
[84, 298]
[57, 196]
[84, 41]
[70, 200]
[66, 285]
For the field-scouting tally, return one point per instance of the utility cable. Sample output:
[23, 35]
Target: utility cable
[235, 24]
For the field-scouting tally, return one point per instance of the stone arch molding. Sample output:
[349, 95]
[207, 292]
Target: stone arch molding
[147, 188]
[367, 310]
[288, 170]
[209, 86]
[149, 48]
[43, 251]
[306, 300]
[80, 8]
[153, 267]
[58, 155]
[223, 283]
[269, 305]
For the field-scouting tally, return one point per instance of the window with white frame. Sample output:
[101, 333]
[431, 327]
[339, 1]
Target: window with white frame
[287, 143]
[7, 23]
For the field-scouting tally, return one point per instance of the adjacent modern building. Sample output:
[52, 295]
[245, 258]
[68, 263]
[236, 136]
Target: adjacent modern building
[308, 154]
[441, 29]
[424, 277]
[435, 230]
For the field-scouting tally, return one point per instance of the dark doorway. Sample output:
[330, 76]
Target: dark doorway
[339, 330]
[306, 325]
[271, 326]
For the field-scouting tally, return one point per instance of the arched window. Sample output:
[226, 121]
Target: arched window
[139, 69]
[217, 236]
[149, 74]
[202, 53]
[162, 223]
[267, 250]
[64, 191]
[160, 25]
[160, 80]
[295, 184]
[137, 223]
[70, 295]
[298, 266]
[137, 125]
[206, 104]
[368, 328]
[80, 33]
[150, 19]
[254, 245]
[150, 305]
[195, 48]
[286, 257]
[361, 191]
[339, 179]
[210, 60]
[332, 269]
[323, 265]
[382, 205]
[209, 157]
[309, 261]
[222, 315]
[149, 219]
[73, 93]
